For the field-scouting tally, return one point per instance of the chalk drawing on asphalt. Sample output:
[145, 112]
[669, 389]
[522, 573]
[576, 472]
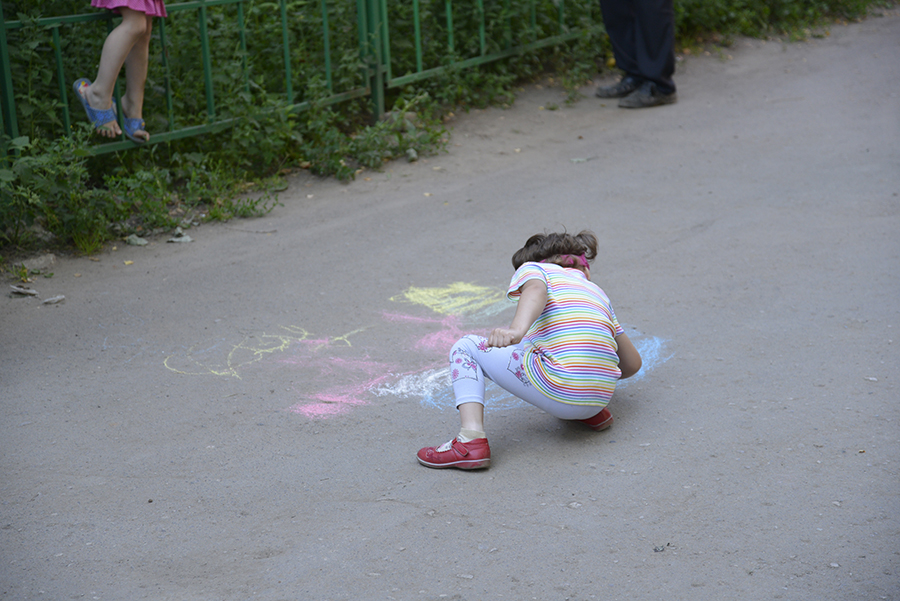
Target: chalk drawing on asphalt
[342, 382]
[354, 379]
[459, 298]
[221, 358]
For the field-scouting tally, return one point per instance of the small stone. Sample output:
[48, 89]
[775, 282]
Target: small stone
[24, 291]
[180, 236]
[411, 155]
[834, 565]
[40, 263]
[135, 240]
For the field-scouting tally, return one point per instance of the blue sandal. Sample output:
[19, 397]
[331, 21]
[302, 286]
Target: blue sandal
[131, 125]
[97, 117]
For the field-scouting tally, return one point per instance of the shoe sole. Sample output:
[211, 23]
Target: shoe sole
[659, 101]
[603, 426]
[462, 465]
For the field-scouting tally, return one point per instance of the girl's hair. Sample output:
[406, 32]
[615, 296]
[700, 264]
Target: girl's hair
[549, 247]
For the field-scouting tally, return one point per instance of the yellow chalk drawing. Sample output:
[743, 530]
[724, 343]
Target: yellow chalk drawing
[251, 349]
[345, 337]
[220, 358]
[459, 298]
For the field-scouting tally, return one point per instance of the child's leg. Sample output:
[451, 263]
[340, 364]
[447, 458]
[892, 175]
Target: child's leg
[116, 48]
[470, 449]
[471, 360]
[136, 64]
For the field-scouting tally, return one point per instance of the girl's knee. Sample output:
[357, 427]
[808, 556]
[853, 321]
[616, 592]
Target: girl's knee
[471, 344]
[460, 347]
[464, 354]
[136, 23]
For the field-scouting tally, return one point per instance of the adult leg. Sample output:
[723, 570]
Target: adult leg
[619, 19]
[655, 42]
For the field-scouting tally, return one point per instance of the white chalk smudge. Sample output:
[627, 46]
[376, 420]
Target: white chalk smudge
[424, 384]
[434, 389]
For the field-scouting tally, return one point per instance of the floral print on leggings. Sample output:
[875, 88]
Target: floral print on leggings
[515, 366]
[462, 365]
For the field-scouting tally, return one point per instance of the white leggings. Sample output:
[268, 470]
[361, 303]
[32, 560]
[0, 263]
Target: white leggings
[471, 359]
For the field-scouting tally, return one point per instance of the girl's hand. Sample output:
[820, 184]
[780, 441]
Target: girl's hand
[501, 337]
[532, 301]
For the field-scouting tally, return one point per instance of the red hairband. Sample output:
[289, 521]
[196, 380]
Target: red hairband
[570, 260]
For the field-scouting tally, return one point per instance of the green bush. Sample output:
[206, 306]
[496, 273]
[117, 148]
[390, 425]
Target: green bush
[46, 181]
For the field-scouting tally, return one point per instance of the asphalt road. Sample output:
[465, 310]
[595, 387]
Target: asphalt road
[237, 417]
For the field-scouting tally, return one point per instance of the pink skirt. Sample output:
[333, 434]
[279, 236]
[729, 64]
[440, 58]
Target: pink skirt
[151, 8]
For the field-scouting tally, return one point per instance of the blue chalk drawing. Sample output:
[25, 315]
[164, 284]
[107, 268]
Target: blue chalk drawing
[652, 351]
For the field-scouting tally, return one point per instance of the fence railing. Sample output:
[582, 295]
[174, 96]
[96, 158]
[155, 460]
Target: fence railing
[295, 50]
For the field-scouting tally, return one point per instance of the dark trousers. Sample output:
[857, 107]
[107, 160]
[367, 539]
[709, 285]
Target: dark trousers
[642, 33]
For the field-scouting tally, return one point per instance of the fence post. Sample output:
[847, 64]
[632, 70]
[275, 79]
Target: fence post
[207, 63]
[7, 98]
[370, 19]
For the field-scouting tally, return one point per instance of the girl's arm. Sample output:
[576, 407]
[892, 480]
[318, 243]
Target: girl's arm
[629, 358]
[532, 300]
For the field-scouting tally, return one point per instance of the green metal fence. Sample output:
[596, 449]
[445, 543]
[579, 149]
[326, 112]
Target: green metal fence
[310, 44]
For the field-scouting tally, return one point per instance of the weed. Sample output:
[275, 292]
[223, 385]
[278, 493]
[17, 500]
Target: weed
[89, 238]
[19, 273]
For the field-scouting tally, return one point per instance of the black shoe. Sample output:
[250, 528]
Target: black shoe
[626, 86]
[647, 95]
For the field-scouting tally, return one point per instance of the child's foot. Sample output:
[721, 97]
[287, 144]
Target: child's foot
[134, 129]
[133, 126]
[601, 421]
[462, 455]
[103, 120]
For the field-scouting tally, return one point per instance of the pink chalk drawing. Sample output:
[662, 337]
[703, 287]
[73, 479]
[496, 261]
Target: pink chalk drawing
[338, 399]
[368, 377]
[440, 341]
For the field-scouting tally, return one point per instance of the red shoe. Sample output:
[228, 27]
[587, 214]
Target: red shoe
[601, 421]
[462, 455]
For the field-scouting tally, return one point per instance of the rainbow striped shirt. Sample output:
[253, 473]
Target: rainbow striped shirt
[570, 351]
